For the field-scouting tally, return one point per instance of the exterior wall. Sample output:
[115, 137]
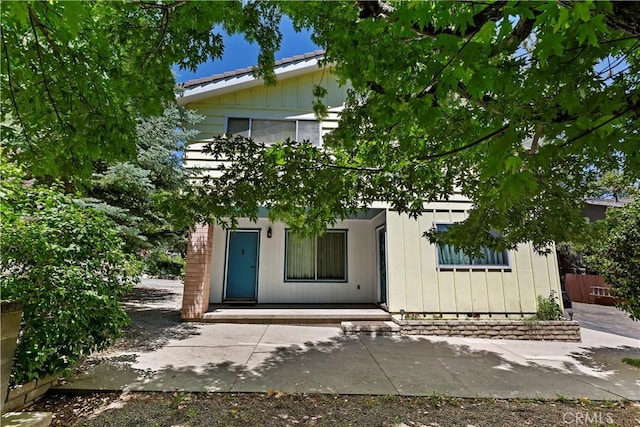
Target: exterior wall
[414, 281]
[417, 284]
[361, 285]
[289, 99]
[594, 212]
[23, 395]
[197, 273]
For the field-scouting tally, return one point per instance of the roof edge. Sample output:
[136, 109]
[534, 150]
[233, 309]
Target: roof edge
[249, 70]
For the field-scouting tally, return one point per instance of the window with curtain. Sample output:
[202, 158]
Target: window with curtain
[271, 131]
[449, 255]
[322, 258]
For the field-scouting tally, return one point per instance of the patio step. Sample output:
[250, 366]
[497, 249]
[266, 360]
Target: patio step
[295, 316]
[370, 328]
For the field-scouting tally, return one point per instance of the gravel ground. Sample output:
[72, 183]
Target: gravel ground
[277, 409]
[154, 308]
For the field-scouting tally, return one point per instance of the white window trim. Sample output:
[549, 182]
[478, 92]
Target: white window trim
[280, 119]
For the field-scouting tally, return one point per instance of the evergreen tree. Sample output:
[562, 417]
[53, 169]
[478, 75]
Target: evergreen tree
[136, 194]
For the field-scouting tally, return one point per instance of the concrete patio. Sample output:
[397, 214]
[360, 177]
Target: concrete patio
[161, 353]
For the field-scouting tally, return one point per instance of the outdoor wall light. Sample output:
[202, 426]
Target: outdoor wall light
[269, 233]
[401, 314]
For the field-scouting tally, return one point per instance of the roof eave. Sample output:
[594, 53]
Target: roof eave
[245, 81]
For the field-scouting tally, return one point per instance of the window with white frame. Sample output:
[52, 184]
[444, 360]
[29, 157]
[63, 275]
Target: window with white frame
[450, 256]
[322, 258]
[269, 131]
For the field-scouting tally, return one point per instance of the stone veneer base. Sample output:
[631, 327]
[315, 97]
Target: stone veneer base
[556, 330]
[23, 395]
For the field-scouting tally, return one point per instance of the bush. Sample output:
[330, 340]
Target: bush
[160, 264]
[66, 265]
[615, 253]
[548, 308]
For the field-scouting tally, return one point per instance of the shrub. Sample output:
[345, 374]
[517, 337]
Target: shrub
[66, 265]
[632, 361]
[615, 253]
[548, 308]
[160, 264]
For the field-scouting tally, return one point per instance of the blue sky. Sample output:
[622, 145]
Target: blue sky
[238, 53]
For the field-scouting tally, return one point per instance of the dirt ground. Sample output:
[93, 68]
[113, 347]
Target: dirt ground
[278, 409]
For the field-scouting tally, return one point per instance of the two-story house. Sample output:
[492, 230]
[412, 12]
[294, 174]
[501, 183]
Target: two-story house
[378, 257]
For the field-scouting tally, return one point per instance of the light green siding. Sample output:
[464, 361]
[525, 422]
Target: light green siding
[418, 285]
[290, 98]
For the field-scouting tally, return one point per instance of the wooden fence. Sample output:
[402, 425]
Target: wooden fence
[588, 288]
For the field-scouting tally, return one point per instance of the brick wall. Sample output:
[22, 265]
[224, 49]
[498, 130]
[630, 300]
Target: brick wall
[561, 330]
[197, 277]
[25, 394]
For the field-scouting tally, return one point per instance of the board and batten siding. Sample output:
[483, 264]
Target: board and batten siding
[417, 284]
[360, 286]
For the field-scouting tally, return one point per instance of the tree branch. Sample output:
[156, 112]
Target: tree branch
[464, 147]
[431, 87]
[165, 6]
[380, 9]
[44, 76]
[536, 138]
[13, 95]
[522, 30]
[631, 107]
[625, 17]
[493, 12]
[353, 168]
[165, 27]
[45, 32]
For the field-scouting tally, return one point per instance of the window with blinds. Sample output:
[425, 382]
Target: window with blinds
[271, 131]
[450, 256]
[323, 258]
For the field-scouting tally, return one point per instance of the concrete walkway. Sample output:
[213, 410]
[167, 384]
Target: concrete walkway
[606, 319]
[163, 354]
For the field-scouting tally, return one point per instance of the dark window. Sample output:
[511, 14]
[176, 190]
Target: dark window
[322, 258]
[449, 255]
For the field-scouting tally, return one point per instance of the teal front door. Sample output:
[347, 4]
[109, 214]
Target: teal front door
[242, 265]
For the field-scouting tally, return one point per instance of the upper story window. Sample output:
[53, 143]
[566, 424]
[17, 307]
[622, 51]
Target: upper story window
[269, 131]
[450, 256]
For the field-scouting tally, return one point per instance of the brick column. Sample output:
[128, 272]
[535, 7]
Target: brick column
[197, 277]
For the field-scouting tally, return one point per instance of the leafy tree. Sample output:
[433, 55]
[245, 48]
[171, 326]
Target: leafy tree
[517, 105]
[614, 252]
[66, 264]
[615, 185]
[76, 75]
